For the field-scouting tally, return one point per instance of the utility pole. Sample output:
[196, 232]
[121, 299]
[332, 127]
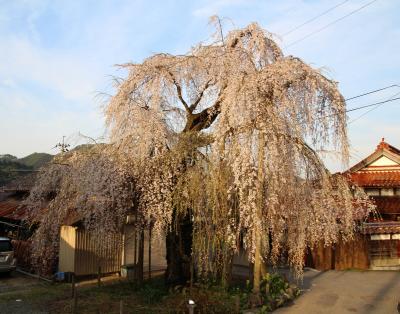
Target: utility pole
[63, 146]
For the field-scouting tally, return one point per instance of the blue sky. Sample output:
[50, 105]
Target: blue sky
[57, 56]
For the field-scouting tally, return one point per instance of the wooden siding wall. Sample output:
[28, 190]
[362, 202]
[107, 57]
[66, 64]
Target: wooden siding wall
[344, 255]
[89, 255]
[66, 260]
[82, 253]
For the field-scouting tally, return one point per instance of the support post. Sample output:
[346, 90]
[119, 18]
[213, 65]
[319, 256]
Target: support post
[150, 252]
[139, 265]
[99, 276]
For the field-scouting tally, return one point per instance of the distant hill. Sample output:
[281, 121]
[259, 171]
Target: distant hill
[12, 168]
[36, 160]
[8, 157]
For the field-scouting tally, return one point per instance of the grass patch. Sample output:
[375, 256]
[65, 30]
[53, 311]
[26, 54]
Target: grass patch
[150, 297]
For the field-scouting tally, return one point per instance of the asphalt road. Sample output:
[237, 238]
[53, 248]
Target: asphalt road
[337, 292]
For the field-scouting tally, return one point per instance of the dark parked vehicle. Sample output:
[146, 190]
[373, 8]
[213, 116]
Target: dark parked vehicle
[7, 261]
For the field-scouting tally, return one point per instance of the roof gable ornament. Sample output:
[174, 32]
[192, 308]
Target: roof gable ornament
[383, 149]
[383, 145]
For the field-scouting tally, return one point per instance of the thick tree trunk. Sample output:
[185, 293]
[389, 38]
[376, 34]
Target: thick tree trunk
[258, 261]
[179, 250]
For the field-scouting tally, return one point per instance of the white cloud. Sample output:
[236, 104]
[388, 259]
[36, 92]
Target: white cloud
[8, 82]
[66, 74]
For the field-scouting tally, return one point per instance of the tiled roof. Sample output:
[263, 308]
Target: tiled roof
[376, 178]
[12, 210]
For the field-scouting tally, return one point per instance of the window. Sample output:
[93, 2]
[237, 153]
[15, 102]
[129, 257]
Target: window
[5, 246]
[387, 192]
[397, 192]
[372, 192]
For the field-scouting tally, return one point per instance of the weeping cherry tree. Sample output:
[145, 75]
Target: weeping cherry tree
[222, 145]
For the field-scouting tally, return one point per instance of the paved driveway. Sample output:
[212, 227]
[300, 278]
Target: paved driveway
[340, 292]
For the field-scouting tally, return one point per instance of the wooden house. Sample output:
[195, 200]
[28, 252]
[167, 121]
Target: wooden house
[377, 243]
[379, 175]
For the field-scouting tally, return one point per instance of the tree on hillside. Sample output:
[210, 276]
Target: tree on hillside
[222, 146]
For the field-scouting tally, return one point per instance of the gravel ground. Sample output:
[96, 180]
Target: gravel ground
[12, 284]
[15, 281]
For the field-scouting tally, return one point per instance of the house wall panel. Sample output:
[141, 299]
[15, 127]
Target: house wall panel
[92, 253]
[66, 261]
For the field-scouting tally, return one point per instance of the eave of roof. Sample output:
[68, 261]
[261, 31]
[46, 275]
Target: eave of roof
[381, 227]
[382, 179]
[383, 149]
[374, 156]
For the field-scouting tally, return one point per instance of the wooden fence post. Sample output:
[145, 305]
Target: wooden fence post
[99, 277]
[121, 307]
[73, 288]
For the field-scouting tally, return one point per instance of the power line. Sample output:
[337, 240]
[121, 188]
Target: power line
[314, 18]
[377, 106]
[330, 24]
[371, 92]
